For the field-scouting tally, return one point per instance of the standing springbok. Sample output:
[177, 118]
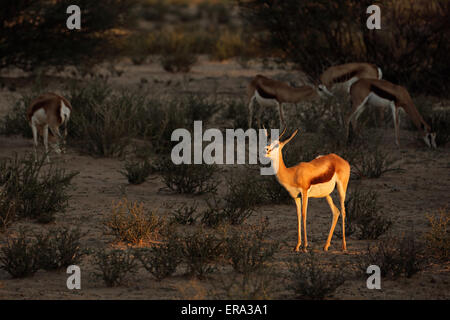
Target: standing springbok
[347, 74]
[314, 179]
[269, 93]
[382, 93]
[49, 111]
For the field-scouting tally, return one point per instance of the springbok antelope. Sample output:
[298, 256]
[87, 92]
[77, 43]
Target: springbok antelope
[269, 93]
[347, 74]
[382, 93]
[49, 111]
[314, 179]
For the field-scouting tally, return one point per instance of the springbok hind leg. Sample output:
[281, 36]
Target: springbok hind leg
[280, 114]
[35, 140]
[304, 211]
[45, 136]
[299, 223]
[342, 192]
[250, 111]
[336, 213]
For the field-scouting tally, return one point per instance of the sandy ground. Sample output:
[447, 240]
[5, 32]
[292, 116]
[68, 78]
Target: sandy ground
[406, 196]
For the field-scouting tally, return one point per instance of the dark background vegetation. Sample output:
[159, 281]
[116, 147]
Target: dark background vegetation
[411, 48]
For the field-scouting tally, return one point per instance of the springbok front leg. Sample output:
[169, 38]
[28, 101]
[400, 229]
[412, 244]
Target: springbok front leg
[250, 111]
[396, 121]
[299, 223]
[280, 114]
[336, 213]
[342, 189]
[35, 139]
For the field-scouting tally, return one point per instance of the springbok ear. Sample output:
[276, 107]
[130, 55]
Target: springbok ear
[290, 138]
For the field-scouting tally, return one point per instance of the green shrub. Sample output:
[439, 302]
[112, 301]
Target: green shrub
[131, 223]
[113, 266]
[20, 255]
[37, 192]
[309, 279]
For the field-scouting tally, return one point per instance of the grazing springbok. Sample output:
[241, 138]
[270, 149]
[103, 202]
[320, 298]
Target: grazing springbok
[382, 93]
[314, 179]
[45, 115]
[269, 93]
[347, 74]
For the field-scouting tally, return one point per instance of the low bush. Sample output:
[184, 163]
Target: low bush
[20, 255]
[15, 122]
[105, 121]
[188, 178]
[274, 192]
[38, 192]
[439, 124]
[248, 250]
[396, 257]
[137, 171]
[309, 279]
[131, 223]
[243, 194]
[200, 251]
[7, 212]
[258, 285]
[364, 216]
[438, 234]
[113, 266]
[59, 248]
[162, 260]
[185, 214]
[373, 162]
[177, 54]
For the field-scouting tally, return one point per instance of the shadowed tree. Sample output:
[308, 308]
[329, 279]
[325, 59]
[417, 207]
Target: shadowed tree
[34, 33]
[411, 48]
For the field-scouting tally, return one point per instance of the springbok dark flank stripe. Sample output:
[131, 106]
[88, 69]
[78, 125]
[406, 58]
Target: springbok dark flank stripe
[324, 177]
[382, 93]
[265, 94]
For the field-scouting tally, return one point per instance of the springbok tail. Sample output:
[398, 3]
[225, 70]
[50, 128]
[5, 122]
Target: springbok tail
[380, 73]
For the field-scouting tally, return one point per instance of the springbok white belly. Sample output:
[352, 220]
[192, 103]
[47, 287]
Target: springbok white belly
[377, 101]
[39, 117]
[348, 84]
[321, 190]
